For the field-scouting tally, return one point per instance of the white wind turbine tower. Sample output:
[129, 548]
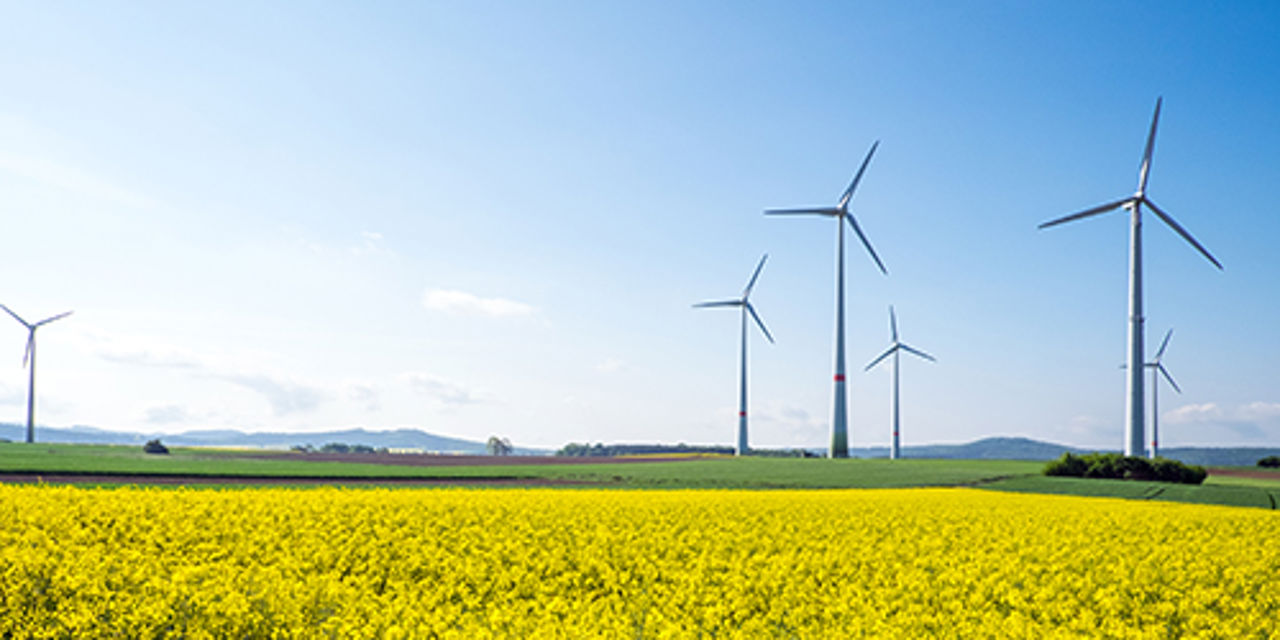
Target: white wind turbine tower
[743, 303]
[29, 360]
[1157, 366]
[839, 421]
[893, 350]
[1134, 398]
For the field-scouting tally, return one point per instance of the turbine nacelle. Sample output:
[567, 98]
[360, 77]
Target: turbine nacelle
[841, 210]
[744, 302]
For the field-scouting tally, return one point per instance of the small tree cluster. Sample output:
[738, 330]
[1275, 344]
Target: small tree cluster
[499, 446]
[1270, 461]
[154, 446]
[600, 450]
[338, 447]
[1120, 467]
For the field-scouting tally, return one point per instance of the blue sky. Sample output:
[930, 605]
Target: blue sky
[491, 218]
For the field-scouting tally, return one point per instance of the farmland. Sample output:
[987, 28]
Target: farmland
[117, 465]
[591, 563]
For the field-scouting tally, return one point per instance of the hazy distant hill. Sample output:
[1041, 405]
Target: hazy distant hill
[396, 439]
[1028, 449]
[985, 449]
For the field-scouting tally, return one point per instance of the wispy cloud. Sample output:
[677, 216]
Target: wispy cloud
[1252, 421]
[285, 396]
[792, 421]
[610, 365]
[446, 392]
[364, 394]
[150, 357]
[371, 245]
[71, 179]
[168, 414]
[463, 303]
[11, 395]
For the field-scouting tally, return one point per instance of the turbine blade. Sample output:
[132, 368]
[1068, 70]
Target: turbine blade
[913, 350]
[816, 211]
[759, 322]
[866, 243]
[57, 317]
[1145, 169]
[848, 193]
[15, 316]
[1165, 343]
[719, 303]
[1168, 377]
[747, 292]
[1182, 232]
[882, 356]
[31, 345]
[1103, 208]
[893, 324]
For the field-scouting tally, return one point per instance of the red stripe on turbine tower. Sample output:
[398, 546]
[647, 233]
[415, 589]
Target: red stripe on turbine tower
[839, 377]
[742, 414]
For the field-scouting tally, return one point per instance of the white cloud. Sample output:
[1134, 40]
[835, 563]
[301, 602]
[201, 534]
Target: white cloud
[1195, 413]
[444, 391]
[463, 303]
[1259, 411]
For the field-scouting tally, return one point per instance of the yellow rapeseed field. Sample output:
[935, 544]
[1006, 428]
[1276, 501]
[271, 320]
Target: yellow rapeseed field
[907, 563]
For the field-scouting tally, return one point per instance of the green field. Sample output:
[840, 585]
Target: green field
[702, 473]
[694, 473]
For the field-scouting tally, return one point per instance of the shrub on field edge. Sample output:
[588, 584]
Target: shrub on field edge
[1119, 467]
[154, 446]
[1270, 461]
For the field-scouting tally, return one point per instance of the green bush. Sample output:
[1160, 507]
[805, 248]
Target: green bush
[1270, 461]
[1119, 467]
[1068, 465]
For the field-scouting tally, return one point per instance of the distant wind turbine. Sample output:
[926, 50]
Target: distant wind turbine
[743, 303]
[894, 349]
[1156, 365]
[839, 423]
[29, 360]
[1134, 423]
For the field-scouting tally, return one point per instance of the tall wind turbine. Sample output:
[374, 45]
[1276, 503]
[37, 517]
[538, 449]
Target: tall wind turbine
[1133, 442]
[743, 303]
[29, 360]
[894, 349]
[1157, 366]
[839, 421]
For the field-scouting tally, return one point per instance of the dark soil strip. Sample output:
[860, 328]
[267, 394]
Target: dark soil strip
[1260, 474]
[145, 479]
[437, 460]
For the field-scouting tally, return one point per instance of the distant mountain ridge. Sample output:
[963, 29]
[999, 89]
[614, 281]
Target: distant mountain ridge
[995, 448]
[392, 439]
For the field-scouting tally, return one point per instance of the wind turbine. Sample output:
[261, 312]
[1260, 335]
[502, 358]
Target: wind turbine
[839, 422]
[1133, 443]
[743, 303]
[894, 349]
[29, 360]
[1157, 365]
